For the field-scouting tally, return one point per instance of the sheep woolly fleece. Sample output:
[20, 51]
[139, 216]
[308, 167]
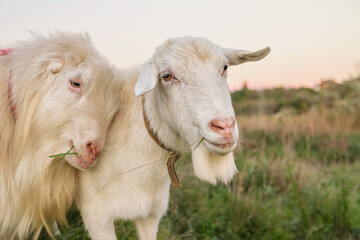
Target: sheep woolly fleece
[33, 193]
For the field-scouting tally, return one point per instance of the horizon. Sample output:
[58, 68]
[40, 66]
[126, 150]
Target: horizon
[310, 42]
[239, 87]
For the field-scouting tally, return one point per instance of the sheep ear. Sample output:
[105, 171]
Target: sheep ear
[55, 67]
[240, 56]
[147, 79]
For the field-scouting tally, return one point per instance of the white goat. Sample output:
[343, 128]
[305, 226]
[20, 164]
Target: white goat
[55, 92]
[186, 98]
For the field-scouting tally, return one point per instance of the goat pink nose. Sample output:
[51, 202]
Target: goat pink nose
[93, 150]
[224, 127]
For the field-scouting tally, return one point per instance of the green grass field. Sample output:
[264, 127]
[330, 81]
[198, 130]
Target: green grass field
[299, 178]
[276, 195]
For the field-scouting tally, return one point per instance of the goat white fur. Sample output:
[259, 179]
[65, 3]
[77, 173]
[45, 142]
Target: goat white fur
[52, 114]
[185, 88]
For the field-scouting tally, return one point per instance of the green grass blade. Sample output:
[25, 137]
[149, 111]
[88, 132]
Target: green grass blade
[62, 154]
[199, 143]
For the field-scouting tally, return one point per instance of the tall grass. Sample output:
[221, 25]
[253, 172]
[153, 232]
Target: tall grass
[317, 121]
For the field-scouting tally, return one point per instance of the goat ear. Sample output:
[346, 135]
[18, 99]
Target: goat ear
[55, 67]
[147, 79]
[236, 57]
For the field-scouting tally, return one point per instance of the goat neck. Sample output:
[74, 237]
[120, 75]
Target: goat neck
[173, 157]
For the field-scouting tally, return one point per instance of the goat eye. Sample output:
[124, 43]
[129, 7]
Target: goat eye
[226, 67]
[75, 84]
[167, 77]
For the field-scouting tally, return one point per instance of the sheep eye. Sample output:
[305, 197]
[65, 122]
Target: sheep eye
[167, 77]
[226, 67]
[75, 84]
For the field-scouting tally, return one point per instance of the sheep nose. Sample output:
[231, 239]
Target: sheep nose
[225, 127]
[93, 150]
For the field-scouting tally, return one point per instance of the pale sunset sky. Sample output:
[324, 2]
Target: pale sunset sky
[310, 40]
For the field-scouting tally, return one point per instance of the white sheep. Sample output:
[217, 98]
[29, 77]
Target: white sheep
[55, 92]
[186, 98]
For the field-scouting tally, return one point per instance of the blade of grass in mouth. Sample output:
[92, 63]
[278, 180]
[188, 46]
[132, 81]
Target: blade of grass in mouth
[64, 154]
[199, 143]
[62, 157]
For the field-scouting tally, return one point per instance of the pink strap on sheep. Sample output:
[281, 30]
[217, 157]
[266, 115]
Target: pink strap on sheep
[4, 52]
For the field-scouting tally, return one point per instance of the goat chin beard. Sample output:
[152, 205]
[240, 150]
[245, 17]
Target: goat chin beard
[213, 168]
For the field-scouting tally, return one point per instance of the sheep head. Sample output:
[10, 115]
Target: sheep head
[187, 78]
[62, 88]
[89, 104]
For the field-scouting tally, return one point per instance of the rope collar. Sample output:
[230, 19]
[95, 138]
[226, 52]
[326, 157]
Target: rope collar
[4, 52]
[173, 155]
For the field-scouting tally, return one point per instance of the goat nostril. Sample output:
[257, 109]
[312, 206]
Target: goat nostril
[93, 149]
[223, 126]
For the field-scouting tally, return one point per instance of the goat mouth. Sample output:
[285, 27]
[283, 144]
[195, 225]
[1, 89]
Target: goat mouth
[222, 145]
[220, 149]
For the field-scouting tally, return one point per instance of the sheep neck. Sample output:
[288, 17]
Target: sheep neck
[4, 52]
[173, 157]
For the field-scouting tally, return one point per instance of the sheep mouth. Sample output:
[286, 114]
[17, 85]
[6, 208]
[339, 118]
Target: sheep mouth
[81, 163]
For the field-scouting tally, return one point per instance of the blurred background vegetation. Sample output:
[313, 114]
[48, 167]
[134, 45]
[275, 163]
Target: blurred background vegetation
[298, 173]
